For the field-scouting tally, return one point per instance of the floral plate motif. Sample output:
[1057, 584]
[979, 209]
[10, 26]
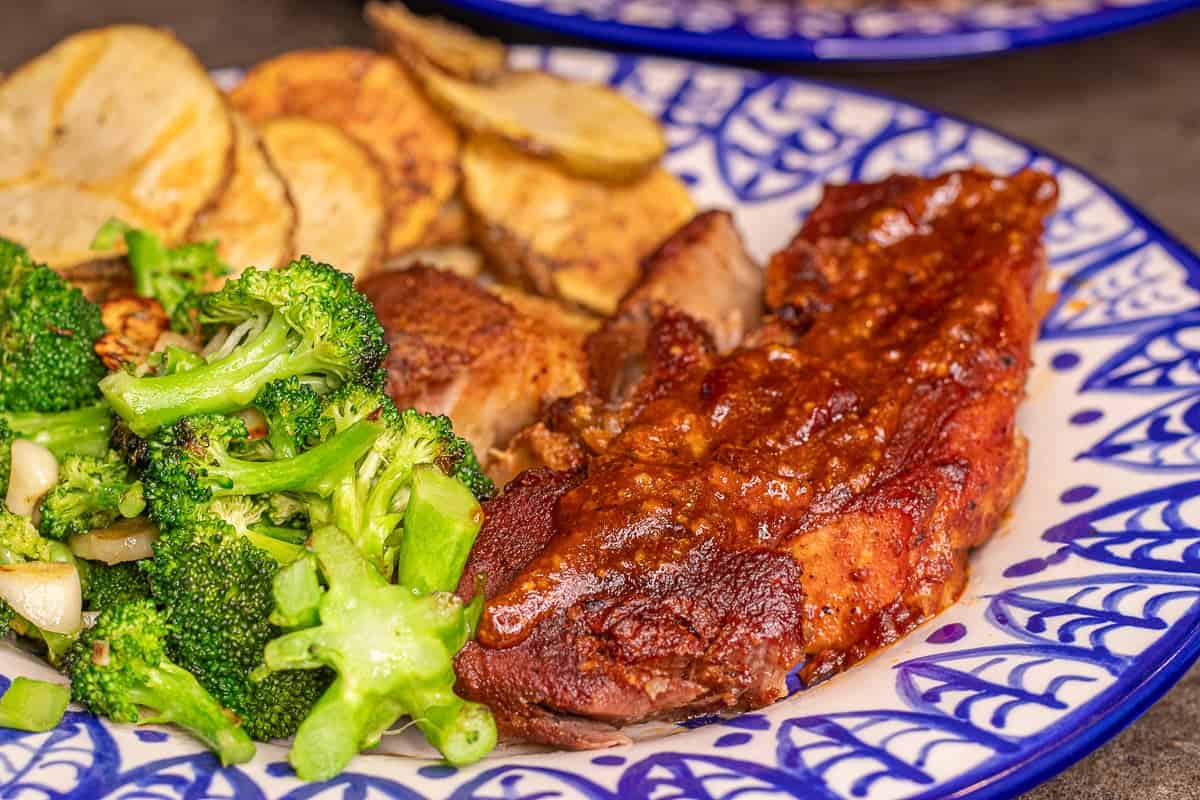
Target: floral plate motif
[829, 30]
[1078, 615]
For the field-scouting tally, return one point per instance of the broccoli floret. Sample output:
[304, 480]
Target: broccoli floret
[47, 329]
[20, 542]
[80, 431]
[190, 463]
[392, 649]
[108, 585]
[174, 276]
[287, 511]
[91, 493]
[305, 320]
[6, 439]
[120, 668]
[293, 414]
[368, 502]
[216, 584]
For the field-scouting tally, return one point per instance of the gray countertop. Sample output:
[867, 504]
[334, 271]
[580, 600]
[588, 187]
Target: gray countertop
[1126, 107]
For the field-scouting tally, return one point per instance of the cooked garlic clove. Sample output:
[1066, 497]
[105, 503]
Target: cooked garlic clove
[34, 472]
[46, 593]
[127, 540]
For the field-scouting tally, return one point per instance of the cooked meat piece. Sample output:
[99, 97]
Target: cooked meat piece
[811, 498]
[703, 271]
[554, 315]
[459, 350]
[101, 280]
[133, 327]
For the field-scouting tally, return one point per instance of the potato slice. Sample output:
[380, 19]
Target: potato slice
[337, 188]
[449, 47]
[577, 239]
[253, 220]
[452, 226]
[115, 122]
[589, 129]
[459, 259]
[372, 98]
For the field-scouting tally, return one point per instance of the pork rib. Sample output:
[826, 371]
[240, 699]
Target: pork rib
[808, 497]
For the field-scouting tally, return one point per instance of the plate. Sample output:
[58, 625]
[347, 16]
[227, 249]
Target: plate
[801, 30]
[1078, 615]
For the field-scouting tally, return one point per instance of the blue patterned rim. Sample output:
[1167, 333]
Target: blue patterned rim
[959, 36]
[1026, 675]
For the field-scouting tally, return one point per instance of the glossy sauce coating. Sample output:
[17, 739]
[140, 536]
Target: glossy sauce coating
[814, 494]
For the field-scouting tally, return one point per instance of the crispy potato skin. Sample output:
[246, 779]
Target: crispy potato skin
[372, 98]
[576, 239]
[453, 48]
[587, 129]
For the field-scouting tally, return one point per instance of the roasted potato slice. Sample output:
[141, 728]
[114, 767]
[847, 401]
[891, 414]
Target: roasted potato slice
[372, 98]
[589, 129]
[253, 220]
[338, 190]
[573, 238]
[115, 122]
[452, 226]
[459, 259]
[449, 47]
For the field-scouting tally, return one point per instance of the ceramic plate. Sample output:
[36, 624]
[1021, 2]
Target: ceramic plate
[1080, 613]
[829, 30]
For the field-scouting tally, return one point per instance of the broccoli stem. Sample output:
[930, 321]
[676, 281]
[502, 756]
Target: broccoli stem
[463, 732]
[177, 697]
[83, 431]
[440, 525]
[297, 590]
[33, 705]
[282, 552]
[218, 387]
[314, 471]
[335, 730]
[147, 255]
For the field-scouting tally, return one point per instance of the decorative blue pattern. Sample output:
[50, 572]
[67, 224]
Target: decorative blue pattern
[1087, 620]
[1166, 438]
[827, 31]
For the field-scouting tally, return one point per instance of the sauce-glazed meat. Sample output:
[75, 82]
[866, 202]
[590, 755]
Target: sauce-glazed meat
[809, 497]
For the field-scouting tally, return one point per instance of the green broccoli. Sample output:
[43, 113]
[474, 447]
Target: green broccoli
[91, 493]
[6, 438]
[109, 585]
[369, 500]
[293, 414]
[189, 463]
[216, 584]
[80, 431]
[174, 276]
[47, 330]
[20, 542]
[392, 649]
[305, 320]
[120, 667]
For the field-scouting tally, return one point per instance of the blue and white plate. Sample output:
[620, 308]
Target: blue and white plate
[1079, 614]
[829, 30]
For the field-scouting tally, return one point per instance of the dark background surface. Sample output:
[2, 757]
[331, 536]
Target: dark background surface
[1125, 107]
